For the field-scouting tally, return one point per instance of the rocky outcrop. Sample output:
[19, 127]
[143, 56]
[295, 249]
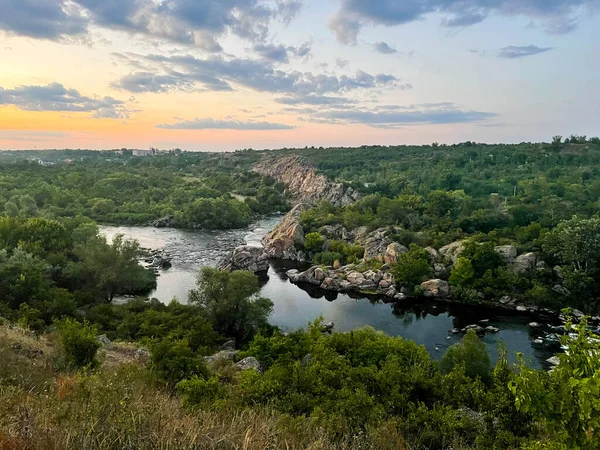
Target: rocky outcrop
[452, 252]
[163, 222]
[508, 252]
[249, 363]
[281, 242]
[393, 252]
[246, 257]
[523, 263]
[376, 244]
[304, 182]
[435, 288]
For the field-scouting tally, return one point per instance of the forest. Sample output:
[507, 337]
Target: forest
[82, 370]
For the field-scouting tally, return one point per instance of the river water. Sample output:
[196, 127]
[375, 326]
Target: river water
[426, 322]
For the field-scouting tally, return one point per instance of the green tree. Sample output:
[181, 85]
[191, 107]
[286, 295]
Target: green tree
[231, 302]
[462, 274]
[106, 270]
[412, 268]
[471, 353]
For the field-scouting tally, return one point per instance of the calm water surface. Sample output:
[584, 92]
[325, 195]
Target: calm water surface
[295, 306]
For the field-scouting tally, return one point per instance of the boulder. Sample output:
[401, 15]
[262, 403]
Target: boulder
[376, 244]
[104, 341]
[163, 222]
[306, 360]
[521, 308]
[384, 284]
[577, 315]
[491, 329]
[534, 325]
[554, 360]
[142, 353]
[432, 253]
[281, 242]
[327, 327]
[476, 328]
[293, 275]
[440, 271]
[319, 274]
[355, 278]
[249, 363]
[506, 300]
[508, 252]
[525, 262]
[435, 288]
[246, 257]
[453, 251]
[454, 331]
[228, 355]
[229, 345]
[335, 232]
[393, 252]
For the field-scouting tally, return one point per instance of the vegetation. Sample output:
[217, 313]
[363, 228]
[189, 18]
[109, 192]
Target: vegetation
[153, 387]
[196, 189]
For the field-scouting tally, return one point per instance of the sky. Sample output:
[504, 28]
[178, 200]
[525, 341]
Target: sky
[220, 75]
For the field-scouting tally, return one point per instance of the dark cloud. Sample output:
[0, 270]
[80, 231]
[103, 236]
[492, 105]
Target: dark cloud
[219, 73]
[383, 47]
[441, 113]
[212, 124]
[195, 22]
[55, 97]
[560, 16]
[513, 52]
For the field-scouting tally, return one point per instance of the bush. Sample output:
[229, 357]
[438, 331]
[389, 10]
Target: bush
[471, 353]
[174, 360]
[201, 392]
[327, 258]
[412, 267]
[79, 343]
[313, 242]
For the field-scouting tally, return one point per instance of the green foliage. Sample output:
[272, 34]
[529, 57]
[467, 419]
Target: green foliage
[231, 303]
[471, 353]
[202, 392]
[412, 268]
[79, 343]
[462, 274]
[566, 401]
[174, 360]
[313, 242]
[106, 270]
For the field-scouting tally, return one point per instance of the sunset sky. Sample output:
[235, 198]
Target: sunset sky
[230, 74]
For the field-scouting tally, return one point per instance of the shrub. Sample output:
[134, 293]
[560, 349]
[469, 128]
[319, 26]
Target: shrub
[199, 391]
[313, 242]
[412, 267]
[471, 353]
[174, 360]
[79, 342]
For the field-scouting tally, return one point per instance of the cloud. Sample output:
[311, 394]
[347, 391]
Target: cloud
[313, 100]
[218, 73]
[393, 117]
[560, 15]
[212, 124]
[341, 63]
[384, 48]
[42, 19]
[281, 53]
[513, 52]
[55, 97]
[193, 22]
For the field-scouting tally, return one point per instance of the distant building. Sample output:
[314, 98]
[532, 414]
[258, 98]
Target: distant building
[143, 153]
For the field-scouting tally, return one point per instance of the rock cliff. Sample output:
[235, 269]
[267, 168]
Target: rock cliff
[303, 181]
[282, 241]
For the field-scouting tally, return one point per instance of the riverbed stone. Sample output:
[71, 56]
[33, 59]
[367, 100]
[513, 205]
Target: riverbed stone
[524, 263]
[393, 252]
[435, 288]
[246, 257]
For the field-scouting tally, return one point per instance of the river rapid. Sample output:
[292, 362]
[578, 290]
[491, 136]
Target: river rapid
[426, 322]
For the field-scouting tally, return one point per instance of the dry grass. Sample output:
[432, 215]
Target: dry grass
[120, 407]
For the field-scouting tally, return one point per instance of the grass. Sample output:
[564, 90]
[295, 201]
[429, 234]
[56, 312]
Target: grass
[120, 406]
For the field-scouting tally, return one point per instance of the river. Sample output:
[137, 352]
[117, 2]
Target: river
[425, 322]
